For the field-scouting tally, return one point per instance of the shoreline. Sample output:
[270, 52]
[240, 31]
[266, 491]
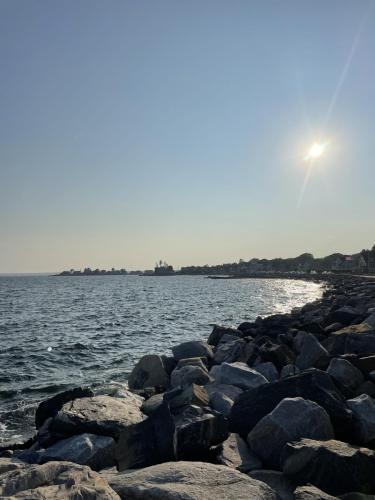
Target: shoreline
[222, 402]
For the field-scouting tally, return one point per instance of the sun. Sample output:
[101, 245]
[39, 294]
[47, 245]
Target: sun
[316, 150]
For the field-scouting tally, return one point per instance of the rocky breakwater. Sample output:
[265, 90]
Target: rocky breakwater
[279, 408]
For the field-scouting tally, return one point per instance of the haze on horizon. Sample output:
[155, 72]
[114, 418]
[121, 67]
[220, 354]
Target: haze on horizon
[137, 131]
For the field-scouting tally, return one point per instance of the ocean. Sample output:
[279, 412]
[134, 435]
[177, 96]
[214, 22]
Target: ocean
[60, 332]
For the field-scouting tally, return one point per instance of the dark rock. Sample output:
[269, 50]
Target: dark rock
[333, 327]
[268, 370]
[152, 404]
[333, 466]
[276, 480]
[185, 396]
[229, 390]
[189, 374]
[344, 315]
[279, 355]
[201, 362]
[345, 374]
[363, 408]
[192, 349]
[311, 493]
[50, 407]
[310, 352]
[314, 385]
[221, 403]
[366, 387]
[238, 374]
[289, 371]
[236, 454]
[272, 432]
[230, 352]
[219, 331]
[149, 372]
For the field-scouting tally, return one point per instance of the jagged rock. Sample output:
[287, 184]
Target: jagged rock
[102, 415]
[149, 442]
[229, 390]
[189, 374]
[50, 407]
[192, 362]
[314, 385]
[192, 349]
[85, 449]
[289, 371]
[149, 372]
[219, 331]
[55, 480]
[272, 432]
[231, 351]
[188, 395]
[221, 403]
[279, 355]
[363, 408]
[311, 352]
[275, 480]
[236, 454]
[238, 374]
[188, 481]
[356, 339]
[311, 493]
[344, 315]
[345, 374]
[333, 466]
[8, 464]
[268, 370]
[197, 430]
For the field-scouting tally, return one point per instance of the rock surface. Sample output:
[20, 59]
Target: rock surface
[237, 374]
[236, 454]
[188, 481]
[149, 372]
[292, 419]
[363, 408]
[189, 374]
[55, 480]
[192, 349]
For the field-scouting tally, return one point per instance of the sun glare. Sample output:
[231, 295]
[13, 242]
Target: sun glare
[316, 150]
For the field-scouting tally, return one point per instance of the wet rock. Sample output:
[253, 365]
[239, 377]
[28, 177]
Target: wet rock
[238, 374]
[185, 396]
[219, 331]
[333, 466]
[102, 415]
[345, 374]
[272, 432]
[289, 371]
[192, 349]
[231, 351]
[268, 370]
[236, 454]
[149, 372]
[311, 493]
[57, 480]
[50, 407]
[313, 385]
[363, 408]
[197, 430]
[276, 480]
[85, 449]
[311, 352]
[189, 374]
[189, 481]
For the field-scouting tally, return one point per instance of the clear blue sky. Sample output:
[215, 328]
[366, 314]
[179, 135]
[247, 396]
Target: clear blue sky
[137, 130]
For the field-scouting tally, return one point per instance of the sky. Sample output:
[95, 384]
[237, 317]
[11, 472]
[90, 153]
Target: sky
[133, 131]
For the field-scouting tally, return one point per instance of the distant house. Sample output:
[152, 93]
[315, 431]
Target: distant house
[350, 264]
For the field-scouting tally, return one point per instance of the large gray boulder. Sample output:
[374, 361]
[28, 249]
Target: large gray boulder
[333, 466]
[268, 370]
[231, 351]
[229, 390]
[238, 374]
[149, 372]
[192, 349]
[190, 374]
[55, 480]
[85, 449]
[102, 415]
[293, 418]
[236, 454]
[219, 331]
[188, 481]
[345, 374]
[310, 352]
[363, 408]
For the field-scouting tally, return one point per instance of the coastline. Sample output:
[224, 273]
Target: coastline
[221, 403]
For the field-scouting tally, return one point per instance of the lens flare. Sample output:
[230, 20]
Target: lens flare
[316, 150]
